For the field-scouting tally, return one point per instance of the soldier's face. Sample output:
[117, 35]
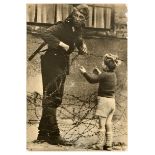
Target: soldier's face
[78, 18]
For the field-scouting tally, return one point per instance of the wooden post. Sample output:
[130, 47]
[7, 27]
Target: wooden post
[99, 17]
[90, 19]
[108, 18]
[44, 15]
[65, 11]
[30, 12]
[39, 13]
[59, 12]
[51, 13]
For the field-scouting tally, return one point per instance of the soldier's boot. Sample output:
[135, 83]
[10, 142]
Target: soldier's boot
[101, 140]
[43, 136]
[58, 140]
[109, 140]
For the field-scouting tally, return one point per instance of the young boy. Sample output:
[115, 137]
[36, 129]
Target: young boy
[106, 98]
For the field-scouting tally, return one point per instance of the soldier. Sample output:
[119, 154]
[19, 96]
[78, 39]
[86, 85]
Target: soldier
[61, 38]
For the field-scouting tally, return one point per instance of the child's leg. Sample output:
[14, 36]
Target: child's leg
[102, 122]
[109, 129]
[101, 133]
[102, 130]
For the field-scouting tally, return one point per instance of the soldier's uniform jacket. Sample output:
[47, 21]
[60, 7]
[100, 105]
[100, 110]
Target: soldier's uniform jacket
[62, 31]
[54, 67]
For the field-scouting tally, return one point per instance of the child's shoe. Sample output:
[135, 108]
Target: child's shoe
[107, 148]
[97, 147]
[101, 139]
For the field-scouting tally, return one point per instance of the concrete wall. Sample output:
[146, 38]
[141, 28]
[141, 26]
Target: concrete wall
[80, 96]
[75, 81]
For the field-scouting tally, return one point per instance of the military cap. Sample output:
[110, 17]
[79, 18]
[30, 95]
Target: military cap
[82, 8]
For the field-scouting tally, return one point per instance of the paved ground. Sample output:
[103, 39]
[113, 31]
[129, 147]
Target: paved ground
[82, 144]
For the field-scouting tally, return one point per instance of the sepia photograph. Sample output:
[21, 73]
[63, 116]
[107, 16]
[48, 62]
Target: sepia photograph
[77, 77]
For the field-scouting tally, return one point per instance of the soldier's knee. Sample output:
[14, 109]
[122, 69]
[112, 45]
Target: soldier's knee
[49, 111]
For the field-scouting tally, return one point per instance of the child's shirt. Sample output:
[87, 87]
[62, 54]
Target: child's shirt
[107, 83]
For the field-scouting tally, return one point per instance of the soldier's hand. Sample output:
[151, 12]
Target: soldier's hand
[83, 49]
[82, 69]
[64, 46]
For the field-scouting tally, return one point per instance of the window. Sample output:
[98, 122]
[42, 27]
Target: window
[100, 16]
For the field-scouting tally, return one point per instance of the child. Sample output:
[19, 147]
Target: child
[106, 98]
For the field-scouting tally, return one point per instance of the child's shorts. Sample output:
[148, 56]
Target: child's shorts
[105, 106]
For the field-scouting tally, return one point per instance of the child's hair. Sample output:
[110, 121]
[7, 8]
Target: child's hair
[111, 61]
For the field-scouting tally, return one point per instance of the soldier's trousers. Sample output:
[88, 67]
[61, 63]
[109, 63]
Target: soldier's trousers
[53, 68]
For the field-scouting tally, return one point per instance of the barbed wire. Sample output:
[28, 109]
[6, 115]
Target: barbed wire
[74, 131]
[83, 123]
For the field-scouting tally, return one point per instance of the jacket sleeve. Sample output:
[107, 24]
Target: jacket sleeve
[91, 78]
[79, 41]
[51, 35]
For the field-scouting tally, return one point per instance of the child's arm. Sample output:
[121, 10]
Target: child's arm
[89, 78]
[96, 71]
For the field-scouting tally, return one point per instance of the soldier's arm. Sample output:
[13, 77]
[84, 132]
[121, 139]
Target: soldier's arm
[51, 36]
[80, 44]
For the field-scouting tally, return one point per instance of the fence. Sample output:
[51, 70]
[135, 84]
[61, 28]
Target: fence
[100, 16]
